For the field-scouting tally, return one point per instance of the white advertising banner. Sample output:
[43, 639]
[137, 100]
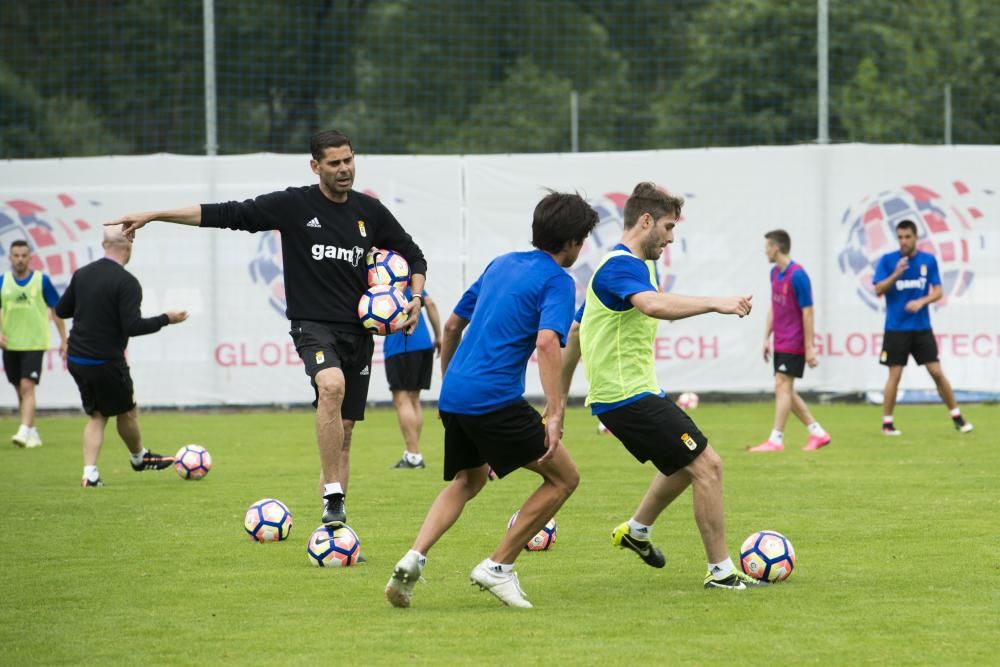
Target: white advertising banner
[839, 204]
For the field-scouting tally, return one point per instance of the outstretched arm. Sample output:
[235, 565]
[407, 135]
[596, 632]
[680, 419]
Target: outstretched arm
[132, 222]
[664, 306]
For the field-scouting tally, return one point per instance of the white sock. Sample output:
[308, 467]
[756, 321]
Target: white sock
[413, 459]
[421, 559]
[34, 432]
[137, 458]
[331, 489]
[887, 419]
[777, 436]
[90, 472]
[639, 530]
[957, 412]
[24, 429]
[502, 568]
[723, 569]
[816, 429]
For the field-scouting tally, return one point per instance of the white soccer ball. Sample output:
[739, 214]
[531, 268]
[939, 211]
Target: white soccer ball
[688, 400]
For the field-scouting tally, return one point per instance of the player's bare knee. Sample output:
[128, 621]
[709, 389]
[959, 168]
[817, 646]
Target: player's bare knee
[707, 468]
[470, 482]
[570, 479]
[330, 389]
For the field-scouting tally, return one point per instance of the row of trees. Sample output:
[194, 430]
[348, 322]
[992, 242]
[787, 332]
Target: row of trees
[444, 76]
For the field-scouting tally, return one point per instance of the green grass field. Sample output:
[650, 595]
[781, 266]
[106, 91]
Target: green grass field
[897, 543]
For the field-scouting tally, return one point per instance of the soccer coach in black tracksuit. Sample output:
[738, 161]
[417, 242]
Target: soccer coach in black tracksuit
[326, 231]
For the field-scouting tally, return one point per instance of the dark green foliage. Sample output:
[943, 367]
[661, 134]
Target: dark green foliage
[451, 76]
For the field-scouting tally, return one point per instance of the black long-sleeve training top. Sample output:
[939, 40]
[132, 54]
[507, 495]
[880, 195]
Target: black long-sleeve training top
[104, 300]
[323, 246]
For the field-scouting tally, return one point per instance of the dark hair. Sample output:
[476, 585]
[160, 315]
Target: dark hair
[560, 218]
[18, 243]
[907, 224]
[781, 239]
[327, 139]
[647, 198]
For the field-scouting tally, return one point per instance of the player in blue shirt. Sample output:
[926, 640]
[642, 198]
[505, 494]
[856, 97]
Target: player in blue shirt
[409, 363]
[522, 303]
[910, 281]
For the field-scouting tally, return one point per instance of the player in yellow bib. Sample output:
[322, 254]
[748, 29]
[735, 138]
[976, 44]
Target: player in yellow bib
[622, 314]
[26, 297]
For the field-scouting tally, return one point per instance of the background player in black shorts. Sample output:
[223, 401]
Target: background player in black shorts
[26, 298]
[790, 319]
[910, 281]
[104, 299]
[409, 364]
[326, 230]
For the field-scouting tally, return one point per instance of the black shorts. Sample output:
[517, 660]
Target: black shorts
[507, 439]
[19, 364]
[105, 388]
[897, 346]
[655, 429]
[410, 371]
[789, 364]
[321, 346]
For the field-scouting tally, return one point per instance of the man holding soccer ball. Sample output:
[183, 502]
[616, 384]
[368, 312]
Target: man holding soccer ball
[326, 231]
[623, 311]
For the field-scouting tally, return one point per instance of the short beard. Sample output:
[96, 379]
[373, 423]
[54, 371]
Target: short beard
[649, 250]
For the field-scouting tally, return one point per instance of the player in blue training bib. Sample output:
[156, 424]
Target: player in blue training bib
[910, 281]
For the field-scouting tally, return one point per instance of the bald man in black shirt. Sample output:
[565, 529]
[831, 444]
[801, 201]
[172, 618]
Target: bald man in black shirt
[326, 231]
[103, 299]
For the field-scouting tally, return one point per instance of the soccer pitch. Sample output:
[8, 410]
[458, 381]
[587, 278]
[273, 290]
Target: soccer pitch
[896, 538]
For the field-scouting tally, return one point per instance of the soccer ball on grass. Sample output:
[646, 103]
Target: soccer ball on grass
[767, 555]
[333, 547]
[192, 462]
[268, 520]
